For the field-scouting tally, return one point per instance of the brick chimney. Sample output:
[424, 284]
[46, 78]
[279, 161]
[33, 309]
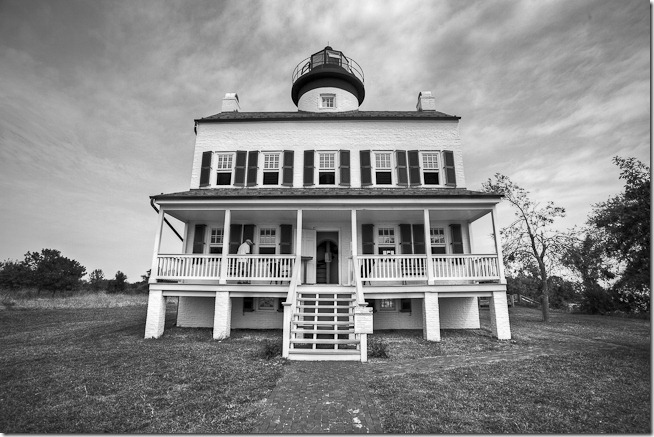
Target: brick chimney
[426, 102]
[230, 103]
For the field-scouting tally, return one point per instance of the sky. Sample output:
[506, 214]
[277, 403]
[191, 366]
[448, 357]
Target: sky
[98, 98]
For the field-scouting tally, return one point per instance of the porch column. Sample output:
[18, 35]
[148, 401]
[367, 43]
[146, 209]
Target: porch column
[222, 315]
[498, 246]
[499, 316]
[154, 272]
[226, 235]
[430, 264]
[286, 336]
[156, 315]
[431, 324]
[298, 245]
[356, 272]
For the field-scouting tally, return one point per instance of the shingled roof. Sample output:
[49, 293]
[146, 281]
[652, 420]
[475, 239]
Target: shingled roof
[347, 115]
[308, 193]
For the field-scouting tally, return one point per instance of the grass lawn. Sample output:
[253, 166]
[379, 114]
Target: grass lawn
[89, 370]
[586, 388]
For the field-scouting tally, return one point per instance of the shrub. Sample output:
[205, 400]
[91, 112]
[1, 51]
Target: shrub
[377, 348]
[270, 349]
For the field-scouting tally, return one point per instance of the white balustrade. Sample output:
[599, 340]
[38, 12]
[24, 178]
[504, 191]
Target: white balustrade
[239, 267]
[188, 266]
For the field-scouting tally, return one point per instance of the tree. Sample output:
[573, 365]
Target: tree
[49, 270]
[118, 284]
[96, 278]
[530, 242]
[14, 275]
[624, 222]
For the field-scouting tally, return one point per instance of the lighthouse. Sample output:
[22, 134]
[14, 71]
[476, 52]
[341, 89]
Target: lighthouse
[328, 81]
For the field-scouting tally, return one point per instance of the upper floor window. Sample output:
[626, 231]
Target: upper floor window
[271, 168]
[437, 237]
[431, 168]
[267, 241]
[327, 101]
[386, 241]
[383, 168]
[216, 240]
[327, 168]
[224, 167]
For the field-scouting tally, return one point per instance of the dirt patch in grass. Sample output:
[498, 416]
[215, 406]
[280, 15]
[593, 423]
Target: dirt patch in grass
[91, 371]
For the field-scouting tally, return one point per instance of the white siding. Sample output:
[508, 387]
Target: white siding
[254, 319]
[398, 320]
[459, 313]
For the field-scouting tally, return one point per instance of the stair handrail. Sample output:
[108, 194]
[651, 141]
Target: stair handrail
[290, 306]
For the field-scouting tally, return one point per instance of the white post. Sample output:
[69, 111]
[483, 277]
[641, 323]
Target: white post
[298, 242]
[364, 347]
[154, 273]
[222, 316]
[430, 265]
[286, 343]
[431, 323]
[498, 246]
[499, 315]
[355, 251]
[156, 315]
[226, 236]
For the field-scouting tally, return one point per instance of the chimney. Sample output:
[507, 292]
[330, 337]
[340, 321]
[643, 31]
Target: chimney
[426, 102]
[230, 103]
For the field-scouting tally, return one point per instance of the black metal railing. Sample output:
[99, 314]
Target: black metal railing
[329, 58]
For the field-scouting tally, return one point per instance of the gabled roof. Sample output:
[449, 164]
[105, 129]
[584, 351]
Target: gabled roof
[347, 115]
[312, 193]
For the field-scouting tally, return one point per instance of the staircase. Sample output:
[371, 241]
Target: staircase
[322, 326]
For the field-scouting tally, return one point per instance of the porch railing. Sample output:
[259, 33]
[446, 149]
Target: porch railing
[271, 268]
[388, 268]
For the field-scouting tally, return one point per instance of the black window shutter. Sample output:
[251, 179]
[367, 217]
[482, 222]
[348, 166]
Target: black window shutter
[248, 232]
[239, 176]
[405, 305]
[419, 239]
[450, 173]
[235, 238]
[198, 238]
[371, 304]
[345, 168]
[286, 239]
[366, 170]
[253, 161]
[287, 177]
[205, 171]
[280, 304]
[308, 167]
[414, 167]
[367, 239]
[457, 238]
[248, 304]
[405, 239]
[400, 157]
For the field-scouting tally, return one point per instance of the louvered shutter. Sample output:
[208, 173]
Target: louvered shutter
[286, 239]
[248, 232]
[235, 238]
[405, 239]
[287, 178]
[450, 173]
[308, 167]
[205, 171]
[400, 158]
[367, 239]
[457, 238]
[239, 175]
[198, 238]
[345, 168]
[253, 161]
[366, 169]
[419, 239]
[414, 167]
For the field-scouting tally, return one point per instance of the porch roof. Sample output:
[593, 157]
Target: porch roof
[347, 115]
[325, 193]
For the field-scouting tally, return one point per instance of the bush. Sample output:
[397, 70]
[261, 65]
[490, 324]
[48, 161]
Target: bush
[270, 349]
[377, 348]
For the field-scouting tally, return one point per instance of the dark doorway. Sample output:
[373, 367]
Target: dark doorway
[327, 258]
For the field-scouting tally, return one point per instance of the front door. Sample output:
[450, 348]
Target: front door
[327, 258]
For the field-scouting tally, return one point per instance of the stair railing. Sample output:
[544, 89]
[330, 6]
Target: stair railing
[290, 307]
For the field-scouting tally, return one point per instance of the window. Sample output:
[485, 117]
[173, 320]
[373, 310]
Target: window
[326, 168]
[387, 305]
[431, 168]
[437, 237]
[216, 240]
[271, 169]
[383, 168]
[327, 101]
[266, 304]
[267, 241]
[386, 241]
[224, 165]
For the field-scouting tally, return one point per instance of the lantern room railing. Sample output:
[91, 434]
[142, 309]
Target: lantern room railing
[327, 58]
